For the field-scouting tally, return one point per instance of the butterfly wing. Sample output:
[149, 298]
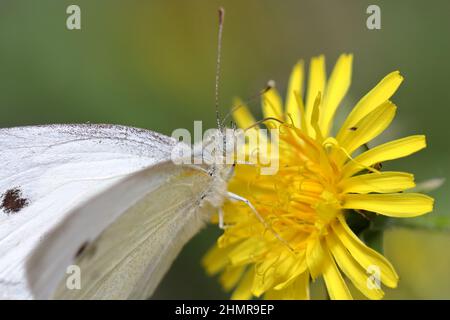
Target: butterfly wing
[131, 233]
[49, 170]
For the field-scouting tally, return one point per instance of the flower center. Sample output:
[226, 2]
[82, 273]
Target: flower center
[301, 199]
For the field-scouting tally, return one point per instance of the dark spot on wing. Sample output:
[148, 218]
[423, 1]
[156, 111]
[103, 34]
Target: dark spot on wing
[12, 201]
[86, 250]
[354, 128]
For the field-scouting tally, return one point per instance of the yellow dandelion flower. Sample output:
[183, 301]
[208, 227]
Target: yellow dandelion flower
[321, 181]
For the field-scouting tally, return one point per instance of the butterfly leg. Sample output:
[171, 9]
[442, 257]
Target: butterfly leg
[221, 222]
[236, 197]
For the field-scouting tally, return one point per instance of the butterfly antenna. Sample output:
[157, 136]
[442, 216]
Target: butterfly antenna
[248, 101]
[219, 53]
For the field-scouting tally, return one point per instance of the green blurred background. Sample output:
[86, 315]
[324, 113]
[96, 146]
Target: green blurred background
[151, 64]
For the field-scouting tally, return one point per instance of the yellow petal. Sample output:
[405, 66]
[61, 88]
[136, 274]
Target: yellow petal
[315, 257]
[245, 120]
[336, 89]
[297, 290]
[401, 205]
[316, 83]
[241, 114]
[215, 259]
[369, 127]
[384, 182]
[230, 277]
[365, 256]
[387, 151]
[303, 124]
[264, 275]
[295, 85]
[351, 268]
[382, 92]
[315, 116]
[276, 295]
[243, 290]
[272, 105]
[278, 270]
[336, 286]
[290, 270]
[246, 251]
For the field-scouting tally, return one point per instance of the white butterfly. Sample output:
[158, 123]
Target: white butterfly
[106, 199]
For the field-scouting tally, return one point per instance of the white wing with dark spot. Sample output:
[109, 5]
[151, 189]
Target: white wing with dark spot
[47, 171]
